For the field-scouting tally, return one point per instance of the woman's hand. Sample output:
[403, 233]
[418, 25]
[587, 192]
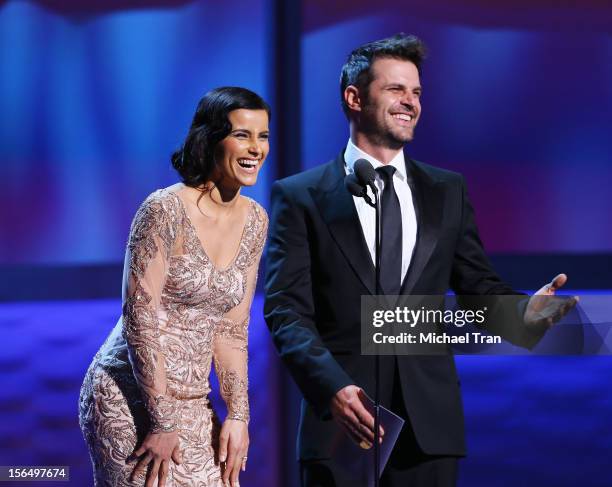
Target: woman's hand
[156, 451]
[233, 448]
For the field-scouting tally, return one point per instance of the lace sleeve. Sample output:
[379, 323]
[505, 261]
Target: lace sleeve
[151, 237]
[231, 333]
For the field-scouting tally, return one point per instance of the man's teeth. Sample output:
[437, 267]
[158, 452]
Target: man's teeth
[402, 116]
[247, 162]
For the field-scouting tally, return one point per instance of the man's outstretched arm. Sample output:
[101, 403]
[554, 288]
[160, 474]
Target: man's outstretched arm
[472, 274]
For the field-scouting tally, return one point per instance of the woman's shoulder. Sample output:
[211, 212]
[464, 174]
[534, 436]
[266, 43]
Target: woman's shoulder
[163, 201]
[166, 196]
[257, 228]
[260, 211]
[160, 209]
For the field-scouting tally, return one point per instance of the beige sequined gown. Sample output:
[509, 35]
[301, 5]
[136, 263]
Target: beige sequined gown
[179, 313]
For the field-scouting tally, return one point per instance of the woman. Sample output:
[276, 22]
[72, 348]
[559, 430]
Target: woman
[189, 279]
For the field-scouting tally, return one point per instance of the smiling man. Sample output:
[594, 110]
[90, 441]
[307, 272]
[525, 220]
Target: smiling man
[320, 262]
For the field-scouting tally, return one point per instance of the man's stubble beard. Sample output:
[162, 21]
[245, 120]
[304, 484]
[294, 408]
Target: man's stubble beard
[382, 136]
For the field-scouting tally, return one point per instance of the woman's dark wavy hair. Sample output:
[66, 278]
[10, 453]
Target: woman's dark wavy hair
[195, 159]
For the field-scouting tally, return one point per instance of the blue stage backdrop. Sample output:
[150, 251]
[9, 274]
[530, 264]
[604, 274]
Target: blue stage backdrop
[522, 111]
[93, 105]
[95, 96]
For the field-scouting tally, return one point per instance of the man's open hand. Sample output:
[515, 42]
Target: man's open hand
[545, 308]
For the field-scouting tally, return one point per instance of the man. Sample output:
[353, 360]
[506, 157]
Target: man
[320, 263]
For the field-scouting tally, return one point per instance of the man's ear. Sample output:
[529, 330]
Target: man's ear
[352, 99]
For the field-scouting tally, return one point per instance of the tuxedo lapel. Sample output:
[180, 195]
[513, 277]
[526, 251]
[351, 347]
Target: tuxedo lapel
[338, 211]
[428, 199]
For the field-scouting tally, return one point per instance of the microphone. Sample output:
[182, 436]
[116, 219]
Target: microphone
[365, 173]
[352, 184]
[356, 189]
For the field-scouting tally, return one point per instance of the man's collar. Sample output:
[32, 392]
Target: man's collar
[353, 153]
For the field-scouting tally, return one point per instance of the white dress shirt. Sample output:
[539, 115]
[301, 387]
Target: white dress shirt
[367, 214]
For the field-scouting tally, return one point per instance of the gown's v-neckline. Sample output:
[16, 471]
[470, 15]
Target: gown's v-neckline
[234, 259]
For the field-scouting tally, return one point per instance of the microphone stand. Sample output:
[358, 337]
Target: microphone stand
[377, 356]
[357, 186]
[376, 205]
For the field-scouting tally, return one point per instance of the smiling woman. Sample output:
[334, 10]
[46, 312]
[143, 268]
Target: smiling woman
[189, 279]
[223, 116]
[242, 152]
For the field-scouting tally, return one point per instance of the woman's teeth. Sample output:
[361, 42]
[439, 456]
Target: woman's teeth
[248, 163]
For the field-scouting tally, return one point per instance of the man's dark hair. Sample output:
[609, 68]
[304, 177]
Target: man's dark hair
[357, 69]
[194, 161]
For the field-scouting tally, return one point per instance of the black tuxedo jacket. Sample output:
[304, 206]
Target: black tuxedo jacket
[317, 268]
